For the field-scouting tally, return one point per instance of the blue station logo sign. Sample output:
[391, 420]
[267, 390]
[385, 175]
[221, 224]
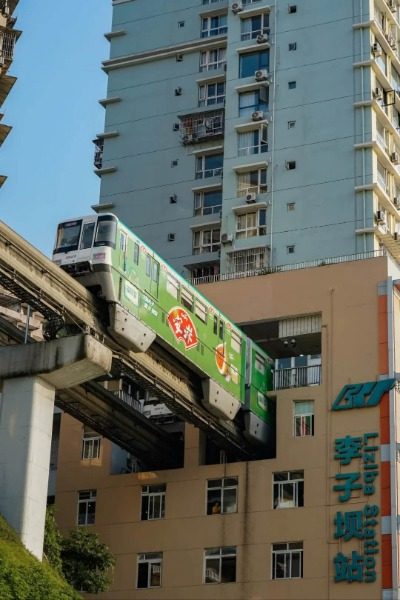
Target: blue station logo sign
[362, 395]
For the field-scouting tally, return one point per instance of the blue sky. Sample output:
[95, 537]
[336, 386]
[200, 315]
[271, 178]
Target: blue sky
[53, 109]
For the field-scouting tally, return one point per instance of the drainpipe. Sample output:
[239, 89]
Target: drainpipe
[273, 138]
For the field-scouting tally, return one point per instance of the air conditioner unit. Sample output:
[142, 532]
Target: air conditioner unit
[257, 115]
[251, 197]
[380, 216]
[261, 75]
[376, 49]
[237, 7]
[226, 238]
[262, 38]
[377, 93]
[395, 158]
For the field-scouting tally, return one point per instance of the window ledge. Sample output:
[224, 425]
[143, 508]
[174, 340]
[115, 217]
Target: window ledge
[106, 101]
[105, 171]
[113, 34]
[245, 208]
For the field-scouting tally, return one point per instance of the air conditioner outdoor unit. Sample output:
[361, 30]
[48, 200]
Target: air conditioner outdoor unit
[251, 197]
[237, 7]
[381, 216]
[377, 93]
[226, 238]
[262, 38]
[257, 115]
[261, 75]
[395, 158]
[376, 49]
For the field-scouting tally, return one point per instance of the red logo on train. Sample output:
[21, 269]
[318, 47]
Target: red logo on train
[183, 327]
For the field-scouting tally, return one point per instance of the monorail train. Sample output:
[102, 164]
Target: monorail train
[149, 301]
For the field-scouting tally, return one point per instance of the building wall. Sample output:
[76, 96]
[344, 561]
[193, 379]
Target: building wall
[354, 304]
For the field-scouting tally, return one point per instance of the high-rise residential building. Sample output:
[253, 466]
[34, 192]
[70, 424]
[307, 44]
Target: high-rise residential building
[8, 37]
[246, 135]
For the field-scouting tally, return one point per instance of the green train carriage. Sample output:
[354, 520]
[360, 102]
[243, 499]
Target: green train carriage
[149, 301]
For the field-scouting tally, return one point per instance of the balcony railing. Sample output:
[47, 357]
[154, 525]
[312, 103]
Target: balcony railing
[7, 43]
[297, 377]
[200, 126]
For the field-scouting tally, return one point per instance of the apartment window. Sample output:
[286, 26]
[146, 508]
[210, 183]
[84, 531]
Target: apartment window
[222, 494]
[248, 2]
[207, 202]
[292, 46]
[291, 85]
[215, 25]
[211, 93]
[209, 165]
[252, 182]
[287, 560]
[247, 260]
[251, 224]
[290, 165]
[250, 62]
[288, 489]
[253, 142]
[86, 507]
[211, 1]
[253, 101]
[303, 418]
[208, 271]
[212, 59]
[220, 565]
[149, 570]
[206, 240]
[292, 8]
[254, 26]
[153, 502]
[90, 444]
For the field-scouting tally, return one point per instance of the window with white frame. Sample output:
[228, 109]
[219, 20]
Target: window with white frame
[211, 1]
[90, 444]
[209, 165]
[254, 141]
[252, 182]
[250, 62]
[303, 418]
[222, 495]
[253, 101]
[153, 502]
[288, 489]
[212, 59]
[149, 569]
[249, 2]
[86, 507]
[215, 25]
[206, 240]
[211, 93]
[254, 26]
[207, 202]
[251, 224]
[220, 565]
[383, 177]
[287, 560]
[243, 261]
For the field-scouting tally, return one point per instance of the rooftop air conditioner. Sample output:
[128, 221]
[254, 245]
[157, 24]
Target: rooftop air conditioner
[251, 197]
[261, 75]
[376, 49]
[380, 216]
[257, 115]
[395, 158]
[226, 238]
[262, 38]
[237, 7]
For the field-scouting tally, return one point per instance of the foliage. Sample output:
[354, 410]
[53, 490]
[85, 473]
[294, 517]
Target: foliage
[23, 577]
[86, 561]
[52, 542]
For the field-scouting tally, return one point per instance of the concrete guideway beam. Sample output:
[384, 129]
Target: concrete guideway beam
[31, 373]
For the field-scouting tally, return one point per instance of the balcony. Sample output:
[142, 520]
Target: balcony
[199, 127]
[294, 377]
[7, 43]
[98, 152]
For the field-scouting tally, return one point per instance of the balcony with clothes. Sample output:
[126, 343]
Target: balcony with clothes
[202, 126]
[98, 152]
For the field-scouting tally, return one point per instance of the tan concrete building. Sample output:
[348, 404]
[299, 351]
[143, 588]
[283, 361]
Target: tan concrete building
[317, 521]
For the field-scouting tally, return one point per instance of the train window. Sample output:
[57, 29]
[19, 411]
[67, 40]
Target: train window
[221, 329]
[148, 265]
[260, 363]
[106, 232]
[68, 236]
[136, 254]
[215, 324]
[122, 241]
[172, 286]
[200, 310]
[235, 341]
[87, 236]
[187, 298]
[155, 271]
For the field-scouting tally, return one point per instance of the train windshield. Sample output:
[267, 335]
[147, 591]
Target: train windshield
[106, 231]
[68, 236]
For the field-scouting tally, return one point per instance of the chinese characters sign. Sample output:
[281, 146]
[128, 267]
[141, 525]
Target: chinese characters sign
[360, 565]
[182, 327]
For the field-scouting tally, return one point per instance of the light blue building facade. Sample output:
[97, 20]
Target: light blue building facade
[247, 135]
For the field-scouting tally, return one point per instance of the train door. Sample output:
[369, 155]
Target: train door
[152, 275]
[123, 246]
[86, 240]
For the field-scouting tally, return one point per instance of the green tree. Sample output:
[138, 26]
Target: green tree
[86, 562]
[52, 542]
